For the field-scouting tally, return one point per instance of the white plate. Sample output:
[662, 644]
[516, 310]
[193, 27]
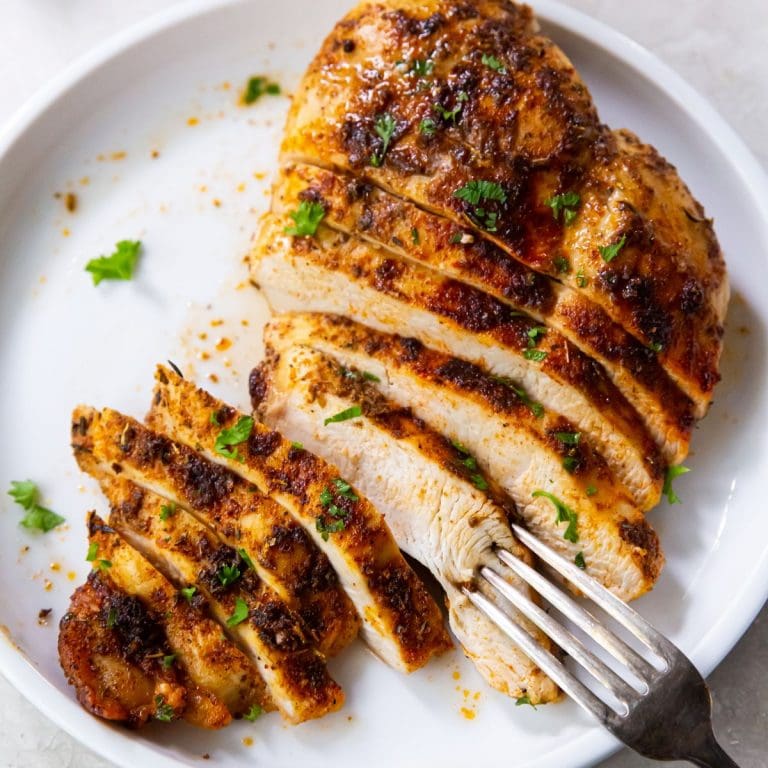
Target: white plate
[63, 341]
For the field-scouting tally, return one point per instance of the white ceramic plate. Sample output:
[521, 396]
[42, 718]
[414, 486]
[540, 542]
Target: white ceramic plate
[63, 341]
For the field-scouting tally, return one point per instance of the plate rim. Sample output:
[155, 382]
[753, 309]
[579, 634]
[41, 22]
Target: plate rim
[104, 738]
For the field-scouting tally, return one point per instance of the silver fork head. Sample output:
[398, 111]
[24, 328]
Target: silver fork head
[664, 713]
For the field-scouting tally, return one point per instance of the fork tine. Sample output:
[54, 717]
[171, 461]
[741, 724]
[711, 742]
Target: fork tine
[611, 604]
[623, 692]
[546, 661]
[582, 618]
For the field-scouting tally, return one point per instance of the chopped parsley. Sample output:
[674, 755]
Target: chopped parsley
[163, 712]
[451, 114]
[479, 481]
[568, 438]
[297, 445]
[325, 528]
[414, 235]
[306, 219]
[169, 660]
[254, 712]
[561, 264]
[188, 593]
[104, 564]
[246, 558]
[565, 204]
[423, 67]
[655, 346]
[344, 489]
[564, 515]
[591, 490]
[581, 279]
[537, 355]
[672, 473]
[610, 252]
[349, 413]
[214, 419]
[236, 435]
[256, 87]
[167, 510]
[385, 129]
[481, 191]
[371, 377]
[25, 493]
[534, 334]
[469, 462]
[93, 550]
[240, 614]
[428, 127]
[228, 574]
[118, 266]
[493, 63]
[523, 700]
[570, 464]
[579, 560]
[111, 618]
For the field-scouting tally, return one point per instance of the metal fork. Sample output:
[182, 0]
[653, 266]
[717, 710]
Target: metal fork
[668, 718]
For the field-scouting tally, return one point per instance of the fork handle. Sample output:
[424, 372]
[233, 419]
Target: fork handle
[712, 755]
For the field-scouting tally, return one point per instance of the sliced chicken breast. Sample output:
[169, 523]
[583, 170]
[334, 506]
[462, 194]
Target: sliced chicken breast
[112, 649]
[430, 492]
[400, 621]
[211, 662]
[469, 113]
[400, 227]
[282, 554]
[583, 513]
[333, 273]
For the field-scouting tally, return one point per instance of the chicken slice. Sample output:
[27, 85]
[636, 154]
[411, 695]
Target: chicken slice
[401, 622]
[282, 554]
[195, 641]
[111, 650]
[428, 490]
[577, 509]
[333, 273]
[469, 113]
[407, 231]
[189, 555]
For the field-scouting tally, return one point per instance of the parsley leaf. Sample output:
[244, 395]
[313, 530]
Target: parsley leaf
[450, 114]
[333, 527]
[568, 438]
[246, 558]
[610, 252]
[168, 660]
[525, 699]
[118, 266]
[163, 712]
[228, 574]
[254, 712]
[371, 377]
[240, 614]
[414, 235]
[385, 129]
[350, 413]
[214, 419]
[579, 560]
[306, 219]
[581, 279]
[167, 510]
[537, 355]
[111, 618]
[564, 515]
[37, 518]
[537, 409]
[234, 436]
[479, 481]
[655, 346]
[93, 550]
[256, 87]
[480, 190]
[428, 127]
[188, 593]
[561, 264]
[591, 490]
[297, 445]
[564, 204]
[672, 473]
[423, 67]
[345, 489]
[570, 463]
[493, 63]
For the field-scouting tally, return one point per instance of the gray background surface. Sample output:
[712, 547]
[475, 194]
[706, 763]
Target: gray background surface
[720, 48]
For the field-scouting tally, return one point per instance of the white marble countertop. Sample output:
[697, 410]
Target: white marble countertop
[720, 48]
